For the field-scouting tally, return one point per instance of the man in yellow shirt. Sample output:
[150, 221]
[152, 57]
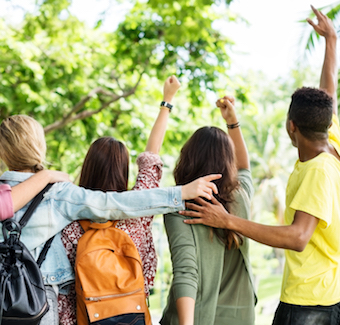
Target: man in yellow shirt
[311, 282]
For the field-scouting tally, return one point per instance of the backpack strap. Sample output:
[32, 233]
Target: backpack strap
[88, 224]
[44, 251]
[23, 221]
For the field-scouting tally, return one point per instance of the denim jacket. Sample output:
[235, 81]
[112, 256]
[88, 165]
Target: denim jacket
[66, 202]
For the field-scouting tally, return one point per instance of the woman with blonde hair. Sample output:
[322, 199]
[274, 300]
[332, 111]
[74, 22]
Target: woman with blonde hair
[212, 278]
[23, 148]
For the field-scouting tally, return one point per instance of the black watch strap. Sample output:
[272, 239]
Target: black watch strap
[166, 104]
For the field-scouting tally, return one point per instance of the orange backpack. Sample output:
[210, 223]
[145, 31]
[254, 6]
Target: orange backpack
[109, 274]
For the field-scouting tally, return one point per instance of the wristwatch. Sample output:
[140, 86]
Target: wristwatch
[166, 104]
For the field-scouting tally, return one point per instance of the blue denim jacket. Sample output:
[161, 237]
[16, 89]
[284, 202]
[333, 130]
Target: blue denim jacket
[66, 202]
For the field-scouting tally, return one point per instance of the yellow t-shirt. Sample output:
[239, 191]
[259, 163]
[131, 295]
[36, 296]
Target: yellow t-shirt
[312, 277]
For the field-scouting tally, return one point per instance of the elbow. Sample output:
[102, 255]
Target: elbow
[298, 248]
[299, 243]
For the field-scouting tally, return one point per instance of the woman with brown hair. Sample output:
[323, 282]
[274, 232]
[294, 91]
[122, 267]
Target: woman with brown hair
[212, 280]
[106, 168]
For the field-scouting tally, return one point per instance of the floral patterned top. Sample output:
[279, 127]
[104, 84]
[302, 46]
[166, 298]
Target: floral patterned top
[140, 230]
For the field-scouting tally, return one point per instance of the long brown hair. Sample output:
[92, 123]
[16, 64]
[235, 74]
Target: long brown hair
[211, 151]
[106, 166]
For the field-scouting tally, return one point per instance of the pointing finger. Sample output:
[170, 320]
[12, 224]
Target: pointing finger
[212, 177]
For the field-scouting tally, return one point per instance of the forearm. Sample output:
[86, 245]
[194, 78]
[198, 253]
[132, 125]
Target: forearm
[329, 74]
[226, 105]
[185, 310]
[27, 190]
[287, 237]
[241, 152]
[158, 131]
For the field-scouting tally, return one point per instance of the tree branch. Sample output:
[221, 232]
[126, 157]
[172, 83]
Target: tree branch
[75, 115]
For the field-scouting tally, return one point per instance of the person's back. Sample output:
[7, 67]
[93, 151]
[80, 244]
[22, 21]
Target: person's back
[312, 276]
[106, 168]
[218, 278]
[212, 278]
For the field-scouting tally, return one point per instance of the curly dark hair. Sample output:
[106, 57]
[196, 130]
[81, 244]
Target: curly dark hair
[311, 111]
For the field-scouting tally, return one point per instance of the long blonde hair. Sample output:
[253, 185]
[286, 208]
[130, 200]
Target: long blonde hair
[22, 143]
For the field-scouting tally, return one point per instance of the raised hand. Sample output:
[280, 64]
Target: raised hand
[227, 107]
[200, 187]
[324, 27]
[171, 85]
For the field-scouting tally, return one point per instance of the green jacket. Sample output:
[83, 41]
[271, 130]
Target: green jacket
[220, 280]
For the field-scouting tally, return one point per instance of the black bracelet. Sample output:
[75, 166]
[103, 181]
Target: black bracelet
[233, 126]
[167, 105]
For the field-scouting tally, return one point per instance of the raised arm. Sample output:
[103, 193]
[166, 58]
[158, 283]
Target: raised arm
[227, 107]
[329, 74]
[156, 137]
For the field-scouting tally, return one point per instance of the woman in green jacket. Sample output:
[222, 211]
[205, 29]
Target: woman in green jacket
[212, 278]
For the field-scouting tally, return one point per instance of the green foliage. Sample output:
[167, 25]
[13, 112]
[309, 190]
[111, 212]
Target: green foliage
[81, 82]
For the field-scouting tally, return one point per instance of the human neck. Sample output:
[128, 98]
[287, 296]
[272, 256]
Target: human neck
[310, 149]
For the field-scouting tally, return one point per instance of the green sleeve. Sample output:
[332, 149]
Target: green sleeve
[183, 256]
[244, 177]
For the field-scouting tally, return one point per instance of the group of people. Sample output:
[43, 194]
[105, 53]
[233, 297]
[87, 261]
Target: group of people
[212, 278]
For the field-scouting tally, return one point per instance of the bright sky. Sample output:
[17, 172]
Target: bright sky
[272, 42]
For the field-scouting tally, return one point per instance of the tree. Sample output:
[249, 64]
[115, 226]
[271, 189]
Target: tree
[82, 82]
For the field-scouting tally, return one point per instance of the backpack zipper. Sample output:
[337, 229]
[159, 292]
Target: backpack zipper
[112, 296]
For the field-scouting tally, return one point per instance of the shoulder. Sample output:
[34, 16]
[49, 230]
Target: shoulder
[67, 191]
[246, 182]
[174, 219]
[334, 133]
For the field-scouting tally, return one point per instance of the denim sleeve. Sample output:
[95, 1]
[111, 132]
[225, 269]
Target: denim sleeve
[75, 203]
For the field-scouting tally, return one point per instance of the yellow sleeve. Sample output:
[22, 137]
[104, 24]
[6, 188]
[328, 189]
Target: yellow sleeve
[317, 202]
[334, 133]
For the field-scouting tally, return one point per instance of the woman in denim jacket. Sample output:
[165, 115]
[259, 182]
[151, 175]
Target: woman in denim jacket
[23, 149]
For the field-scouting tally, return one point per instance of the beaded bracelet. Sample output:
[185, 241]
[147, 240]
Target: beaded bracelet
[233, 126]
